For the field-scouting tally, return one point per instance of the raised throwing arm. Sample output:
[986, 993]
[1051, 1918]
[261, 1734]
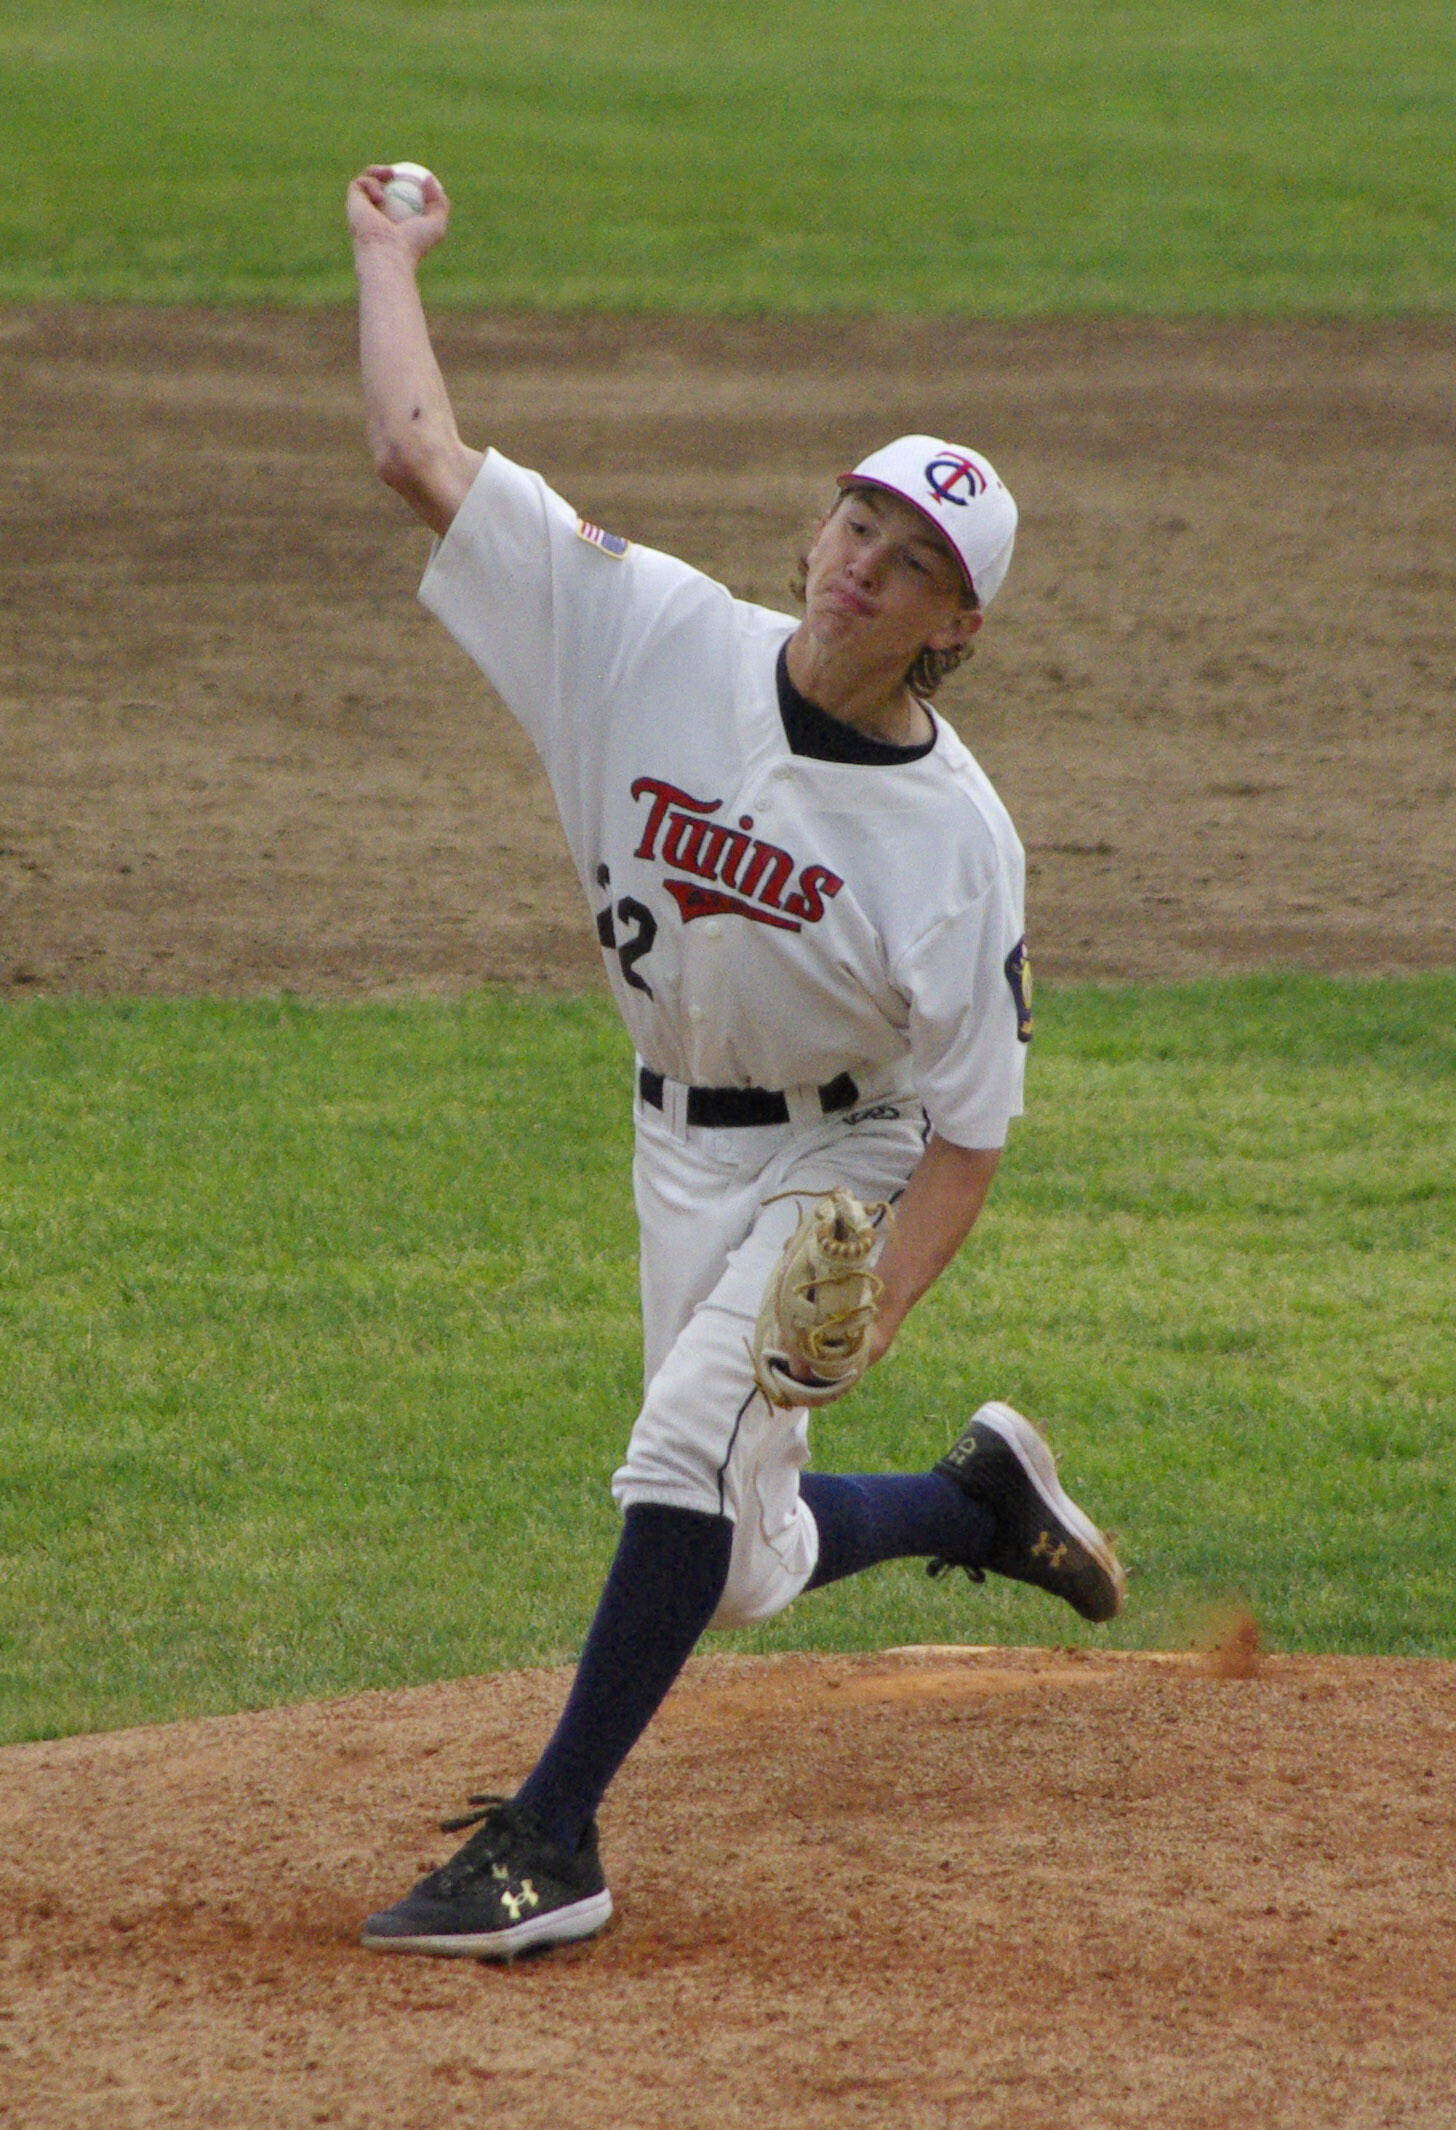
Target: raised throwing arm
[412, 433]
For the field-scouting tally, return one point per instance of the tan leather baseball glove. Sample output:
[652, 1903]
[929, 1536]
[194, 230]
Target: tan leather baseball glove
[810, 1343]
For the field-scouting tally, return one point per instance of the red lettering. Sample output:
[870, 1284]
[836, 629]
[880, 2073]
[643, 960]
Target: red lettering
[778, 865]
[737, 848]
[664, 796]
[696, 901]
[815, 883]
[710, 850]
[694, 845]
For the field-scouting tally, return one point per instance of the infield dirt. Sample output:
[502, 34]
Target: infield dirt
[1217, 692]
[931, 1889]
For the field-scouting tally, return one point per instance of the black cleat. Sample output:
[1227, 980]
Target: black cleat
[1041, 1536]
[508, 1891]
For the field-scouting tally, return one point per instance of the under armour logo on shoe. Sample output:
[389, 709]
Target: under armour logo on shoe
[515, 1902]
[1055, 1556]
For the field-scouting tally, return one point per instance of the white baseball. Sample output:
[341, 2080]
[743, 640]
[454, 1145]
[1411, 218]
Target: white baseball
[404, 194]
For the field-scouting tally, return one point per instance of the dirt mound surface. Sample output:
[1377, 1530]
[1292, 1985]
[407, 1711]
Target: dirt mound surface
[935, 1888]
[1216, 694]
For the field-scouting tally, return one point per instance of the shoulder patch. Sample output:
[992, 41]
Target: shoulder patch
[610, 543]
[1018, 975]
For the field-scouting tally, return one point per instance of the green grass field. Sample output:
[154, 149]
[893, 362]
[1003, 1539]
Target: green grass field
[982, 156]
[320, 1339]
[319, 1335]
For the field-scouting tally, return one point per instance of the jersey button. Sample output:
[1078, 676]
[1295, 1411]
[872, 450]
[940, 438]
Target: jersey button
[695, 1014]
[713, 929]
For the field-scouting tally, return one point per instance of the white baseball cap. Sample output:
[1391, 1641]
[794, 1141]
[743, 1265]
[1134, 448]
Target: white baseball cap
[959, 492]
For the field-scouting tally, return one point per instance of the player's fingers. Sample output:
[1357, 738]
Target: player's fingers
[878, 1343]
[423, 231]
[369, 216]
[365, 216]
[380, 174]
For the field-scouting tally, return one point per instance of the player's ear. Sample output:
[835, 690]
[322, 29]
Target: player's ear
[957, 632]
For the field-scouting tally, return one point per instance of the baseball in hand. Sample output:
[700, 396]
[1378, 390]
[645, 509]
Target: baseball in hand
[404, 194]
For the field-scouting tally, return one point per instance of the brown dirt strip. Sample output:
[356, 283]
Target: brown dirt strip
[1217, 692]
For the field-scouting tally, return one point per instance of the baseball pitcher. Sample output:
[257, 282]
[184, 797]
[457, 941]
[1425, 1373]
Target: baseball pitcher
[810, 906]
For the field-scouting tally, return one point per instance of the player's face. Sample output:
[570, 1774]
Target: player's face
[880, 577]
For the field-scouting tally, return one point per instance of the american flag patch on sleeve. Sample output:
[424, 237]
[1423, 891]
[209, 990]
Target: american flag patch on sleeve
[609, 543]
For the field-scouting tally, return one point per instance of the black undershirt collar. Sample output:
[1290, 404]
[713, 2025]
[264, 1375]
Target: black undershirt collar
[813, 731]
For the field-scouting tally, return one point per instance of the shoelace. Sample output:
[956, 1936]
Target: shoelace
[497, 1827]
[489, 1803]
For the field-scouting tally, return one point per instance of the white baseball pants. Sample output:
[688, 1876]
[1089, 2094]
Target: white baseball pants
[706, 1437]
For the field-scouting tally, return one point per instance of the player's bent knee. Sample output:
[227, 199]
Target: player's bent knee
[772, 1561]
[750, 1602]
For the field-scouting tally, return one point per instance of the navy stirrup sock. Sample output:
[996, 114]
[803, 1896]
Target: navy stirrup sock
[662, 1589]
[664, 1586]
[868, 1517]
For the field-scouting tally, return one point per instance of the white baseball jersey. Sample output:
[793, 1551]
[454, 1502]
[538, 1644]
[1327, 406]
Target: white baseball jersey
[768, 919]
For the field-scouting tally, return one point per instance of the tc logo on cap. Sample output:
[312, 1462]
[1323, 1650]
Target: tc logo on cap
[950, 473]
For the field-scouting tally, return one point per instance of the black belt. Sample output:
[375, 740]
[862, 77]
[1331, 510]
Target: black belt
[725, 1108]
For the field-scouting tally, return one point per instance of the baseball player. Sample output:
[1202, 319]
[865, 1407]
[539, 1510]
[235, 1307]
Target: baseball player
[809, 902]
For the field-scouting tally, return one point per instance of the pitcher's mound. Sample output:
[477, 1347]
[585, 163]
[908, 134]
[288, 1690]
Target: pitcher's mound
[934, 1886]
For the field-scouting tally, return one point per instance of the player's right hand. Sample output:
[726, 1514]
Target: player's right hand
[369, 224]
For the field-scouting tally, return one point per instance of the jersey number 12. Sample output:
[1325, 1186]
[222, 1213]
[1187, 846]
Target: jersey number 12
[629, 951]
